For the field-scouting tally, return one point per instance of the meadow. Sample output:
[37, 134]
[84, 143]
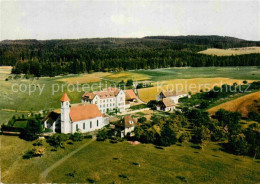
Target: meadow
[243, 104]
[125, 163]
[231, 51]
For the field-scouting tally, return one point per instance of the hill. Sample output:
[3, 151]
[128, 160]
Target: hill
[55, 57]
[231, 51]
[244, 104]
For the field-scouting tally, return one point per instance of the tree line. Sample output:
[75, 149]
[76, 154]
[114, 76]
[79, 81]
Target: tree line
[55, 57]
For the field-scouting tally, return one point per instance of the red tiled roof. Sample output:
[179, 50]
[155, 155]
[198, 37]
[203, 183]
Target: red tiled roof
[82, 112]
[65, 98]
[130, 94]
[106, 93]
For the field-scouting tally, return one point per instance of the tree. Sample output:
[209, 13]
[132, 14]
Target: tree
[102, 135]
[32, 130]
[168, 135]
[129, 82]
[201, 135]
[152, 104]
[58, 140]
[142, 120]
[238, 144]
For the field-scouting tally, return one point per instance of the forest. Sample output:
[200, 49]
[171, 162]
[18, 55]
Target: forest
[55, 57]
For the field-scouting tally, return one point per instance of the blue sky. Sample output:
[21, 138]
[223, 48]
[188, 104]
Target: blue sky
[66, 19]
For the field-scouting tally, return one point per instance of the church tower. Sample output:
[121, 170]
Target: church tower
[65, 114]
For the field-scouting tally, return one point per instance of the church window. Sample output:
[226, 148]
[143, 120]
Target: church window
[77, 127]
[90, 124]
[84, 126]
[97, 123]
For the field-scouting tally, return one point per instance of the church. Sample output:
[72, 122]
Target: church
[71, 118]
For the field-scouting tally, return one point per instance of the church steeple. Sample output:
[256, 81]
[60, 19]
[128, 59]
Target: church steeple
[65, 98]
[65, 114]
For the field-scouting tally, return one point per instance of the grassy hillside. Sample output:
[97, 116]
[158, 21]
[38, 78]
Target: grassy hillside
[119, 163]
[15, 102]
[231, 51]
[244, 104]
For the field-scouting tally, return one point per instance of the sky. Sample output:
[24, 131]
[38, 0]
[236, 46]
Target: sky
[73, 19]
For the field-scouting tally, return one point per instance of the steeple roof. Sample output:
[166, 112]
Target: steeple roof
[65, 98]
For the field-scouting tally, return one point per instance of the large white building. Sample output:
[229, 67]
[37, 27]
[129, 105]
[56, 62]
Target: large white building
[106, 100]
[76, 117]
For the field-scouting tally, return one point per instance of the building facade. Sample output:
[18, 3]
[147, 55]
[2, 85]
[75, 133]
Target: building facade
[76, 117]
[106, 100]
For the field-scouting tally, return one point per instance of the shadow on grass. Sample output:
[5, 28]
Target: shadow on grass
[159, 147]
[183, 179]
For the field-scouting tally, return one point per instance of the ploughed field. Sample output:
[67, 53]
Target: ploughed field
[20, 96]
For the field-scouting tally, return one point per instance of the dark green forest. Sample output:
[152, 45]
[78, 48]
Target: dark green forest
[55, 57]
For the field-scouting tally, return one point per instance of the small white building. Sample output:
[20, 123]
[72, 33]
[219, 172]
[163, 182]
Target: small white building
[172, 95]
[106, 100]
[76, 117]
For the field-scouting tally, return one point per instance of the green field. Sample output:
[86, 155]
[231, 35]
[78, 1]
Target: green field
[119, 163]
[23, 102]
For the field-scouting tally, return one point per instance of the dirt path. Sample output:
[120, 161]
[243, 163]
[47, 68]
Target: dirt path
[45, 173]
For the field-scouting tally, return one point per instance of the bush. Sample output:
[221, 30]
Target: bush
[38, 142]
[88, 137]
[77, 136]
[28, 155]
[57, 140]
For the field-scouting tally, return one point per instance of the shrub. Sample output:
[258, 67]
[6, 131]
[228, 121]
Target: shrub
[77, 136]
[28, 154]
[38, 142]
[88, 137]
[57, 140]
[32, 130]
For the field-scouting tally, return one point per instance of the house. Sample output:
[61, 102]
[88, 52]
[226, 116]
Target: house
[130, 95]
[175, 96]
[166, 104]
[106, 100]
[126, 126]
[75, 117]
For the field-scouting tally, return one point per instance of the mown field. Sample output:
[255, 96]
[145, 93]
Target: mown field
[119, 163]
[185, 85]
[46, 92]
[231, 51]
[243, 104]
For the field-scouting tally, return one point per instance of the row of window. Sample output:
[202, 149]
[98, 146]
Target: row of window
[84, 125]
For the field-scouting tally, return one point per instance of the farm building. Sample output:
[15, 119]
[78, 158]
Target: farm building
[130, 95]
[175, 96]
[166, 104]
[75, 117]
